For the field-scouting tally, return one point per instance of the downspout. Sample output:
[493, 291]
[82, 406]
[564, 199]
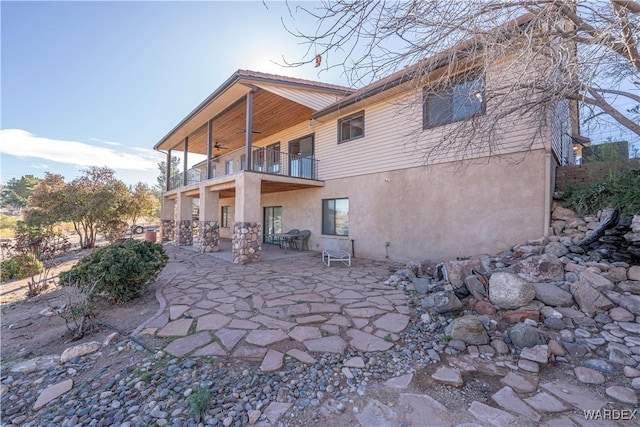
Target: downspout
[209, 146]
[167, 172]
[185, 179]
[547, 192]
[248, 131]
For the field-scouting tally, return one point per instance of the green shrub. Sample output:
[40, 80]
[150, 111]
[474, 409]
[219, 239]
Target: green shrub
[20, 267]
[119, 272]
[619, 191]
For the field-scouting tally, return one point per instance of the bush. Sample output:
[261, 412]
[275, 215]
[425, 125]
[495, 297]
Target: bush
[619, 191]
[20, 267]
[119, 272]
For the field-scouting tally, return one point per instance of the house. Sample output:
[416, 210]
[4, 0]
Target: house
[356, 165]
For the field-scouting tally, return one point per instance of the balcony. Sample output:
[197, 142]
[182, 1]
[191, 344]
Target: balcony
[263, 160]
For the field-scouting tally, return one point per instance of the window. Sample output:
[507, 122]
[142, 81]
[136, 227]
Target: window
[351, 127]
[228, 167]
[225, 217]
[335, 217]
[462, 100]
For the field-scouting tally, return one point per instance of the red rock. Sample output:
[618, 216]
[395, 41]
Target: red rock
[485, 308]
[517, 316]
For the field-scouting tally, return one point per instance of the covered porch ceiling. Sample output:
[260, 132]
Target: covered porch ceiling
[278, 103]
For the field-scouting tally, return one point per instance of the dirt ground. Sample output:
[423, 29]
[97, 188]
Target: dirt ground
[25, 331]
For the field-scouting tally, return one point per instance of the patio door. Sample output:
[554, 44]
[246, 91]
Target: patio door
[301, 157]
[272, 223]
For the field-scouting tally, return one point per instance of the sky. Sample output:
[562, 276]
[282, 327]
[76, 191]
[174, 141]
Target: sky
[87, 83]
[100, 83]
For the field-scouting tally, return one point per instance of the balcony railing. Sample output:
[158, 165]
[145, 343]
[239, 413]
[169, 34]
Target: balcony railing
[263, 160]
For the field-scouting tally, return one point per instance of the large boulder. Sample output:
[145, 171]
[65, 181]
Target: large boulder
[468, 329]
[556, 249]
[552, 295]
[442, 302]
[543, 268]
[595, 280]
[509, 291]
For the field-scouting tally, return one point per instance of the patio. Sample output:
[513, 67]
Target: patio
[291, 304]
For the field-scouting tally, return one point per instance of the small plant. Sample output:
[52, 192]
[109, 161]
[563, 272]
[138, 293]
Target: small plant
[446, 338]
[199, 402]
[388, 338]
[78, 314]
[119, 272]
[620, 190]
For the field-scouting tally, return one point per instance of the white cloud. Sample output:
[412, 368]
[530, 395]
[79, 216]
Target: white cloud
[18, 142]
[40, 166]
[117, 144]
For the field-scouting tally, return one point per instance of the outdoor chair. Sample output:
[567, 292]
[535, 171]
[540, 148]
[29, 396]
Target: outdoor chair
[302, 240]
[286, 242]
[331, 252]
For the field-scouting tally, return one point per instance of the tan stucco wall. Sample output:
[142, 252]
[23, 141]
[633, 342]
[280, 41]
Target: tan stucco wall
[428, 212]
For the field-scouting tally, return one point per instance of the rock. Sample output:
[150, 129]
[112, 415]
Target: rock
[36, 364]
[500, 346]
[52, 392]
[589, 299]
[80, 350]
[556, 349]
[552, 295]
[442, 302]
[485, 308]
[622, 394]
[522, 335]
[509, 291]
[556, 249]
[468, 329]
[620, 314]
[588, 375]
[544, 268]
[629, 302]
[634, 273]
[521, 314]
[632, 286]
[476, 287]
[599, 365]
[110, 339]
[449, 376]
[564, 214]
[595, 280]
[537, 353]
[455, 271]
[422, 285]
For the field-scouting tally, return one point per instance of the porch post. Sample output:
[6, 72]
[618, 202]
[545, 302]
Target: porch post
[208, 228]
[167, 172]
[184, 223]
[247, 236]
[168, 220]
[248, 131]
[209, 146]
[184, 161]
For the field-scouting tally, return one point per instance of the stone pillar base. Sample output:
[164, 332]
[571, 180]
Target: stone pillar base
[168, 230]
[185, 232]
[246, 247]
[208, 236]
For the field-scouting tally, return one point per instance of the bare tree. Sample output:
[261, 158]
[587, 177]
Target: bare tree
[539, 59]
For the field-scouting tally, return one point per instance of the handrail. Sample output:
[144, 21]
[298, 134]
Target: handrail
[263, 160]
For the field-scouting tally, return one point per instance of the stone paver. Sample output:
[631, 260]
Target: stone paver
[577, 396]
[212, 322]
[509, 400]
[304, 333]
[265, 337]
[401, 382]
[367, 342]
[449, 376]
[492, 416]
[272, 361]
[332, 344]
[178, 327]
[230, 337]
[544, 402]
[521, 383]
[302, 356]
[392, 322]
[184, 345]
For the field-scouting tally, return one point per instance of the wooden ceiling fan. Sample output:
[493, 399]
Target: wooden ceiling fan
[219, 146]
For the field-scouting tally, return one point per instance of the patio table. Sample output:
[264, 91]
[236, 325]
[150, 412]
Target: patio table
[285, 239]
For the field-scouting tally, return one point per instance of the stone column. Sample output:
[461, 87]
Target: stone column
[184, 223]
[247, 243]
[208, 227]
[168, 220]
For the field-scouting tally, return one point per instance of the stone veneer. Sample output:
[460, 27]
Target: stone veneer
[168, 230]
[208, 236]
[185, 232]
[246, 247]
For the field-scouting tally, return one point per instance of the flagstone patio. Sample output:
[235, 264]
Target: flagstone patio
[293, 306]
